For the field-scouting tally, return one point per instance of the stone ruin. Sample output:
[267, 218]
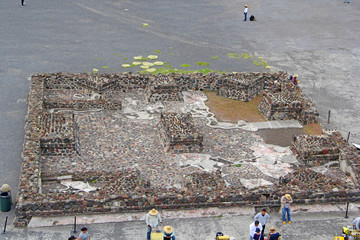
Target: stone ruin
[330, 147]
[243, 87]
[179, 133]
[58, 136]
[163, 88]
[58, 102]
[315, 150]
[282, 100]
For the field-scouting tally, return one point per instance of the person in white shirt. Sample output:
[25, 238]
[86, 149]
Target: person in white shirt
[152, 220]
[245, 12]
[263, 217]
[253, 228]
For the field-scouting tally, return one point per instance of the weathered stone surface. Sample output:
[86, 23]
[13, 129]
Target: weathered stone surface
[122, 156]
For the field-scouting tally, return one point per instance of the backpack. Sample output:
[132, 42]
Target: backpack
[252, 18]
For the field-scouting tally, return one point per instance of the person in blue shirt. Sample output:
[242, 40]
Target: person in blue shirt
[273, 235]
[169, 233]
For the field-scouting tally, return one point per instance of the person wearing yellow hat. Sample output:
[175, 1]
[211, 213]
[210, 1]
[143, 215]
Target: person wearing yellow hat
[169, 233]
[273, 235]
[245, 12]
[152, 220]
[286, 200]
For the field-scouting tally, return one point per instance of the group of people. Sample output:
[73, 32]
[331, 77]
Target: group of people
[257, 228]
[84, 235]
[153, 219]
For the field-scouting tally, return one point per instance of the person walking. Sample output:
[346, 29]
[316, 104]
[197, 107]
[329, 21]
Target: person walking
[273, 235]
[263, 217]
[84, 235]
[253, 226]
[245, 12]
[286, 200]
[152, 220]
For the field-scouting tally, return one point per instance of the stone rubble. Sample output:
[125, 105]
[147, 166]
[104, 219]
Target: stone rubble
[119, 149]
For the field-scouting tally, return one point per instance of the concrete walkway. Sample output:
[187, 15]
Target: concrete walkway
[312, 222]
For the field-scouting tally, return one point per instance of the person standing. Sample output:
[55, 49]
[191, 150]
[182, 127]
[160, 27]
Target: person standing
[245, 12]
[253, 226]
[263, 217]
[356, 224]
[273, 235]
[286, 200]
[152, 220]
[84, 235]
[258, 235]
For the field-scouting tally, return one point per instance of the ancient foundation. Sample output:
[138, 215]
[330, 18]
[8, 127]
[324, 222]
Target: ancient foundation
[180, 134]
[86, 150]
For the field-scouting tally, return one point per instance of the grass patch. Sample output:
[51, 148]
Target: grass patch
[229, 110]
[238, 165]
[313, 129]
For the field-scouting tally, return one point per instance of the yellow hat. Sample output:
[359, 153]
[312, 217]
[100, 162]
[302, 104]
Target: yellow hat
[288, 197]
[272, 229]
[168, 229]
[245, 5]
[153, 212]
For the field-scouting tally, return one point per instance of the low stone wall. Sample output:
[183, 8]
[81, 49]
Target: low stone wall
[330, 147]
[284, 101]
[180, 134]
[127, 190]
[315, 150]
[58, 137]
[242, 87]
[163, 88]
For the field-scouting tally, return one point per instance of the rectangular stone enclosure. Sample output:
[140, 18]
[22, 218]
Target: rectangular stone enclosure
[179, 133]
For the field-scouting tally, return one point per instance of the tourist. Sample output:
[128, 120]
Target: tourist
[273, 235]
[84, 235]
[152, 220]
[245, 12]
[72, 237]
[253, 226]
[258, 235]
[285, 205]
[169, 233]
[294, 79]
[263, 217]
[356, 224]
[218, 234]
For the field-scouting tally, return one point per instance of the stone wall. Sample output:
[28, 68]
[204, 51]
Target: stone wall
[179, 133]
[282, 100]
[329, 147]
[242, 86]
[315, 150]
[163, 88]
[126, 190]
[58, 137]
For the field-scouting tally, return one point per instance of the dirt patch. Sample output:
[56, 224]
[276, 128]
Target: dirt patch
[282, 137]
[313, 129]
[229, 110]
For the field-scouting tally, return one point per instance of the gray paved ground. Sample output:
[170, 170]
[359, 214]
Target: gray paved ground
[317, 40]
[311, 226]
